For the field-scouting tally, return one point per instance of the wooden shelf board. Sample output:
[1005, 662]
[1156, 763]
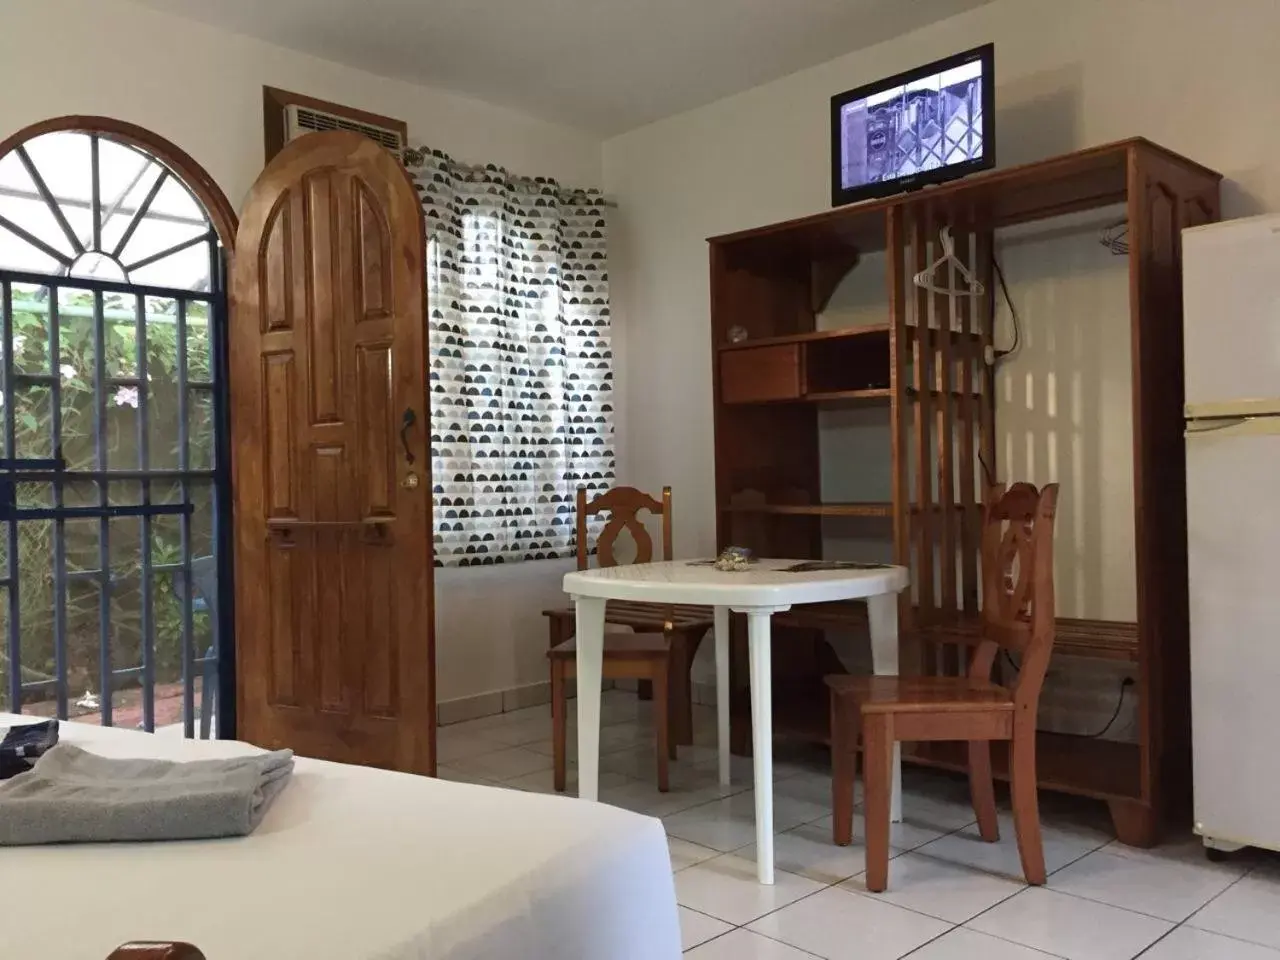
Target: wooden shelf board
[876, 393]
[874, 332]
[1102, 769]
[1091, 639]
[870, 509]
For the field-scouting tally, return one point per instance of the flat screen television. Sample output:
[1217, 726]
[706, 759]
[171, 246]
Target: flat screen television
[928, 125]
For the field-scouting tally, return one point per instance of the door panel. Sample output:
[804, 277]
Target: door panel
[333, 563]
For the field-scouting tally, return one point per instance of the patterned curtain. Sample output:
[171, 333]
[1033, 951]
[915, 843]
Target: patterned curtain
[521, 365]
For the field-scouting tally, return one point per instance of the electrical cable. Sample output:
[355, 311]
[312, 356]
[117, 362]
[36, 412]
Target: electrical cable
[1013, 313]
[1125, 684]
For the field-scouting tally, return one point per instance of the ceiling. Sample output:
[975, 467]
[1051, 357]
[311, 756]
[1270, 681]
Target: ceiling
[600, 65]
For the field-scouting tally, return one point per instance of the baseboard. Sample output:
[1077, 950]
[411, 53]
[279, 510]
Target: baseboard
[494, 702]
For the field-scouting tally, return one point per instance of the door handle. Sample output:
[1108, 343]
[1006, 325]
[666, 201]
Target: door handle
[407, 420]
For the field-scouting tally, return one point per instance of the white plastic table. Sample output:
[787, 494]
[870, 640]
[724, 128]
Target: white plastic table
[759, 592]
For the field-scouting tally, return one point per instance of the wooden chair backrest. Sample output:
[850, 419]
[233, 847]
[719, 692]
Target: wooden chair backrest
[623, 504]
[1017, 583]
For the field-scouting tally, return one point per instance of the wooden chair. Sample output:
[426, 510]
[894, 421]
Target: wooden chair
[684, 624]
[1017, 614]
[627, 656]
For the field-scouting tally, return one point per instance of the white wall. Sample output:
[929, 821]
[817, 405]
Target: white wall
[202, 88]
[1186, 74]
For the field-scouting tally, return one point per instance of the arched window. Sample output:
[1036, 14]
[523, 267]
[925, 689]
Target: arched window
[112, 437]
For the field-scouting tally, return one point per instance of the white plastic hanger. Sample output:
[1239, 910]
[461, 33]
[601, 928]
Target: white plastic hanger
[973, 286]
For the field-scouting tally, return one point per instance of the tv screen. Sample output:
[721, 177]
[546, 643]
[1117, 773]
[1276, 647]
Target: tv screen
[927, 125]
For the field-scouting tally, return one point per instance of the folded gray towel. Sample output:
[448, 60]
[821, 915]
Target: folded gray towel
[73, 796]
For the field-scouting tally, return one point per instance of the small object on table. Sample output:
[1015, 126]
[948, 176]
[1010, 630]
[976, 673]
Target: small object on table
[814, 566]
[733, 559]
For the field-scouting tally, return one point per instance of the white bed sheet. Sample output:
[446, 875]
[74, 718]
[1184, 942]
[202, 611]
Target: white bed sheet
[353, 863]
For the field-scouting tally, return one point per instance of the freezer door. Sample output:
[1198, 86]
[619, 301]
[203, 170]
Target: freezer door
[1233, 535]
[1231, 310]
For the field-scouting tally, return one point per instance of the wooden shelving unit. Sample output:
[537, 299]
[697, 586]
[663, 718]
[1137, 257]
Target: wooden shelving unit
[927, 372]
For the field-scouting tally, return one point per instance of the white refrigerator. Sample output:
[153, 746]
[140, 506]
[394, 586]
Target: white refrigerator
[1231, 320]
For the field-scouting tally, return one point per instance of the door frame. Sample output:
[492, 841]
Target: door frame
[226, 224]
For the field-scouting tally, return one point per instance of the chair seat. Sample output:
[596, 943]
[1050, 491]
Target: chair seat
[921, 694]
[656, 645]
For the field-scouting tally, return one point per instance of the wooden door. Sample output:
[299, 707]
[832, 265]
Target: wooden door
[331, 465]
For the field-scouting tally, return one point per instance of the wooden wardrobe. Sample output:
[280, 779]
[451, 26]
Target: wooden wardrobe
[928, 365]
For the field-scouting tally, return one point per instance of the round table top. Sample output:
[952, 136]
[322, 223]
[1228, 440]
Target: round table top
[764, 584]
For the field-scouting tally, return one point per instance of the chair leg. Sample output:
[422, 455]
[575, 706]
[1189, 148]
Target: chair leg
[661, 723]
[982, 790]
[559, 731]
[1026, 806]
[877, 789]
[844, 762]
[681, 691]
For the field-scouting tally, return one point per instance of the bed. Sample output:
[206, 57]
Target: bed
[353, 863]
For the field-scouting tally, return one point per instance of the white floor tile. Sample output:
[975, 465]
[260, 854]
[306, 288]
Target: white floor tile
[643, 796]
[685, 854]
[449, 773]
[939, 889]
[1069, 927]
[912, 832]
[964, 944]
[452, 745]
[620, 736]
[808, 851]
[1188, 943]
[543, 781]
[726, 888]
[696, 928]
[502, 764]
[730, 823]
[745, 945]
[1166, 888]
[1250, 910]
[1062, 845]
[840, 925]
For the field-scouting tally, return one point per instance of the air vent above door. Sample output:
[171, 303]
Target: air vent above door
[290, 115]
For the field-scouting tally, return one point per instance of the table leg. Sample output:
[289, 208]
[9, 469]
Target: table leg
[760, 649]
[722, 691]
[589, 617]
[883, 614]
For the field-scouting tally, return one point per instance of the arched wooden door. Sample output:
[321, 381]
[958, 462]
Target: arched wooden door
[331, 460]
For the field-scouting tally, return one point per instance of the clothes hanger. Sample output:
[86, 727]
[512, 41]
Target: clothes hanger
[973, 287]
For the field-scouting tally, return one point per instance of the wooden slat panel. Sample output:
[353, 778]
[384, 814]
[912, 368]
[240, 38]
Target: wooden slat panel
[376, 426]
[275, 269]
[944, 308]
[278, 415]
[969, 492]
[899, 408]
[325, 297]
[326, 471]
[923, 362]
[379, 649]
[372, 273]
[983, 257]
[285, 650]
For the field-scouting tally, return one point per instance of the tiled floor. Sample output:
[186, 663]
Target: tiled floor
[951, 896]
